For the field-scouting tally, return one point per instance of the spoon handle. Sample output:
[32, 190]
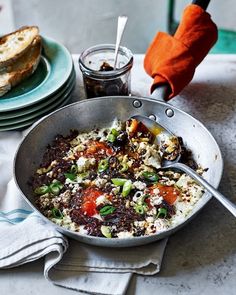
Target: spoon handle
[222, 199]
[120, 29]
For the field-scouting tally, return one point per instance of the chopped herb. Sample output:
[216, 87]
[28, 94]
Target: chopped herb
[162, 212]
[55, 187]
[107, 210]
[56, 213]
[103, 165]
[118, 181]
[74, 169]
[42, 190]
[141, 209]
[70, 176]
[126, 188]
[106, 231]
[83, 175]
[112, 135]
[124, 167]
[150, 176]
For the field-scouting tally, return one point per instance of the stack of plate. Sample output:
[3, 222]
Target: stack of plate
[49, 88]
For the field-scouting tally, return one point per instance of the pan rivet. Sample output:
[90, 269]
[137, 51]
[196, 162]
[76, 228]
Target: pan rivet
[152, 117]
[169, 112]
[137, 103]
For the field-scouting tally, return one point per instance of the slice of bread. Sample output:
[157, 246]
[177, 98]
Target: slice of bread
[22, 68]
[14, 45]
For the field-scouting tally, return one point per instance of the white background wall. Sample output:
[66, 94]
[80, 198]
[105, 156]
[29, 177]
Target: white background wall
[82, 23]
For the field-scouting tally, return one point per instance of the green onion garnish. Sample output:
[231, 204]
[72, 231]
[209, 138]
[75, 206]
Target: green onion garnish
[55, 187]
[150, 176]
[103, 165]
[112, 135]
[70, 176]
[42, 190]
[74, 169]
[106, 231]
[162, 212]
[124, 167]
[107, 210]
[126, 188]
[83, 175]
[118, 181]
[56, 213]
[141, 209]
[111, 138]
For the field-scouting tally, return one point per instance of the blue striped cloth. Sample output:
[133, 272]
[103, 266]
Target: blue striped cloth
[14, 216]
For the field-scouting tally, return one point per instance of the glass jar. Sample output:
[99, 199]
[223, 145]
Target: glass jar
[100, 78]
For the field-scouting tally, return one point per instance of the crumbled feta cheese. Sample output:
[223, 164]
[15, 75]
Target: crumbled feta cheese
[84, 163]
[139, 185]
[124, 234]
[102, 200]
[82, 230]
[100, 182]
[156, 200]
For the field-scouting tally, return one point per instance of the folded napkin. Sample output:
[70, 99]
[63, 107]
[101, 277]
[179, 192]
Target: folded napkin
[26, 237]
[172, 59]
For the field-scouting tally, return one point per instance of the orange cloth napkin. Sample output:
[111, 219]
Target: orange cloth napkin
[173, 59]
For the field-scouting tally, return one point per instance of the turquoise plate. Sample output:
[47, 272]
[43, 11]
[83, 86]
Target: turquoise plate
[27, 123]
[40, 105]
[41, 112]
[53, 71]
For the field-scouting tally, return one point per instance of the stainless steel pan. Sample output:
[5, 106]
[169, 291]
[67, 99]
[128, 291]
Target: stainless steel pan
[100, 112]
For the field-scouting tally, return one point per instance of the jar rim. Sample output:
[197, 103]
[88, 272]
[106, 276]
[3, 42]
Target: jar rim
[105, 74]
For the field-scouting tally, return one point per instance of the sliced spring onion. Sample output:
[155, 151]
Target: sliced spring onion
[118, 181]
[74, 169]
[107, 210]
[142, 199]
[83, 175]
[57, 183]
[162, 212]
[141, 209]
[114, 132]
[42, 190]
[150, 176]
[106, 231]
[103, 165]
[55, 187]
[124, 167]
[56, 213]
[112, 135]
[126, 188]
[70, 176]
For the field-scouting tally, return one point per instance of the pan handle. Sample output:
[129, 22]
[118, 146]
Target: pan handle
[162, 92]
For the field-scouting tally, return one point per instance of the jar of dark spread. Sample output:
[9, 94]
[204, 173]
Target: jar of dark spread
[100, 78]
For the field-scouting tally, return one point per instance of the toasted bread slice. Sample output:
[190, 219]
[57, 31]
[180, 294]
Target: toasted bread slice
[22, 68]
[13, 45]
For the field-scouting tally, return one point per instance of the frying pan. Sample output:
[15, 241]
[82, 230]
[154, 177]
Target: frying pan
[100, 112]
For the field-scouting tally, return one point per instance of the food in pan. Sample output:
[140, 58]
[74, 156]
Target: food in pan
[19, 56]
[109, 183]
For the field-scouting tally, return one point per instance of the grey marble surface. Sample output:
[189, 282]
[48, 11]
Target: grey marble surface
[201, 258]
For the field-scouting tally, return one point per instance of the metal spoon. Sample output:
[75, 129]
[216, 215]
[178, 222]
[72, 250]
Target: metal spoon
[161, 133]
[120, 29]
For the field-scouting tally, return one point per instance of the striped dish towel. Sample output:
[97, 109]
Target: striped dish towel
[26, 237]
